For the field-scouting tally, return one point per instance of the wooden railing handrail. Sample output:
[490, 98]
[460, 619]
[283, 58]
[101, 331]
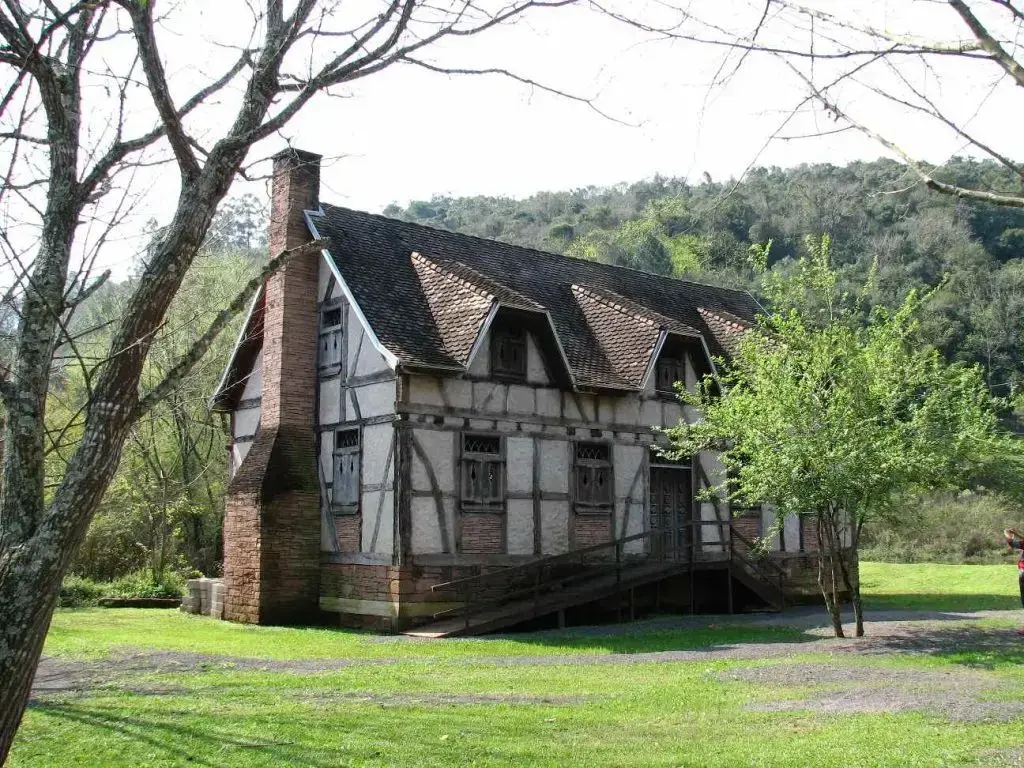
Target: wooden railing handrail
[569, 556]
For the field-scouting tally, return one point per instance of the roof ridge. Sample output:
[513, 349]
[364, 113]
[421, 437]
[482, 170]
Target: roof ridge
[634, 270]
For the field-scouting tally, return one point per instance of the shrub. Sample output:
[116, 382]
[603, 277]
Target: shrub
[142, 584]
[77, 591]
[946, 529]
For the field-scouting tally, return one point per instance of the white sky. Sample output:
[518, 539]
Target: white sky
[406, 134]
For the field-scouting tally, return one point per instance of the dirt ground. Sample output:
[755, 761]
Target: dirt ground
[845, 684]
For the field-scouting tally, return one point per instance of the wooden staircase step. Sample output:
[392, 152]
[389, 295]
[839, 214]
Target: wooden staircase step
[518, 611]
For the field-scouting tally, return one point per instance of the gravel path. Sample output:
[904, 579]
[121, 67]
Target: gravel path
[887, 633]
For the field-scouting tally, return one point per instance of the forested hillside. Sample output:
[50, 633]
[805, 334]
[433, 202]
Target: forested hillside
[875, 213]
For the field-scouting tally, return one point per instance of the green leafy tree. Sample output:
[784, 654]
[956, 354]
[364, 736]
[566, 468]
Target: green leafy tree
[826, 416]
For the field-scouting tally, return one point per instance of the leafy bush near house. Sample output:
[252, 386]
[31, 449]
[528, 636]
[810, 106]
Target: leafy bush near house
[947, 529]
[142, 584]
[78, 591]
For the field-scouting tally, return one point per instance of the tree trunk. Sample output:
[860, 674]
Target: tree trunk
[28, 594]
[828, 590]
[851, 579]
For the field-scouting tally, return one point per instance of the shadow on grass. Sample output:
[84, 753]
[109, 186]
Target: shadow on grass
[717, 635]
[165, 738]
[967, 645]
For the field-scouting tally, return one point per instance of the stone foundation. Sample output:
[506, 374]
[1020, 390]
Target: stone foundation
[205, 597]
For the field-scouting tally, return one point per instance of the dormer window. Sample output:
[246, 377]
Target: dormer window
[508, 353]
[669, 371]
[330, 338]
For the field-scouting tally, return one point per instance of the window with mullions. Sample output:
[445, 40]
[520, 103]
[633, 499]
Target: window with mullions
[483, 473]
[330, 338]
[669, 371]
[508, 353]
[345, 481]
[593, 475]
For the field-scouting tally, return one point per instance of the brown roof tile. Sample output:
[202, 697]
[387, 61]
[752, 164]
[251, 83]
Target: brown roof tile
[403, 301]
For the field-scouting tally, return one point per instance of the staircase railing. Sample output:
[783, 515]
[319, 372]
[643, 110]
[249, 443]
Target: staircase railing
[550, 574]
[682, 546]
[765, 569]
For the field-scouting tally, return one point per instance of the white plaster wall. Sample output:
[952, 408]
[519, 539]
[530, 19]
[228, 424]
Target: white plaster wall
[426, 390]
[338, 293]
[650, 413]
[627, 461]
[323, 277]
[628, 410]
[536, 373]
[375, 399]
[635, 523]
[238, 453]
[671, 413]
[426, 532]
[791, 529]
[569, 407]
[554, 466]
[246, 422]
[691, 373]
[439, 448]
[377, 439]
[371, 502]
[522, 399]
[459, 392]
[519, 466]
[330, 401]
[520, 527]
[369, 360]
[554, 527]
[254, 384]
[480, 365]
[489, 397]
[549, 402]
[327, 456]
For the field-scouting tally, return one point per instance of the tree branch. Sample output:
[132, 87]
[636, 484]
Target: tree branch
[225, 316]
[989, 43]
[142, 24]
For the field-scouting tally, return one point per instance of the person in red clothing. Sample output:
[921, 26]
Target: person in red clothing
[1014, 540]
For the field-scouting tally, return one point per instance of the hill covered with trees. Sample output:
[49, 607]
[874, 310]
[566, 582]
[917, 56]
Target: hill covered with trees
[881, 221]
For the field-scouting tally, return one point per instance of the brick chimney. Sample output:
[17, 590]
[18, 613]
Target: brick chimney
[272, 513]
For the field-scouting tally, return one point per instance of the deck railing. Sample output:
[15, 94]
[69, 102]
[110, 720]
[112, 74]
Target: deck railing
[660, 549]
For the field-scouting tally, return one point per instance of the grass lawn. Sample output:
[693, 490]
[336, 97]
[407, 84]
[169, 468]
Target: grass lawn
[574, 697]
[940, 587]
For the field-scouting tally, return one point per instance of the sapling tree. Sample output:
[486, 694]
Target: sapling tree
[837, 413]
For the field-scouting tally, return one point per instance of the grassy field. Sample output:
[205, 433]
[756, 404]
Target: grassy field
[940, 587]
[728, 693]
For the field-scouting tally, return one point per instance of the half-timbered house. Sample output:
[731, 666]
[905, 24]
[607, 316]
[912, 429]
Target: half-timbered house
[422, 419]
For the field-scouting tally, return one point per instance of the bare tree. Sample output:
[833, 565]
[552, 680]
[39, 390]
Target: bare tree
[903, 74]
[80, 79]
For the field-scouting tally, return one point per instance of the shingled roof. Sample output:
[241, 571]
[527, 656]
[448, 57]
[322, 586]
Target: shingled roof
[426, 294]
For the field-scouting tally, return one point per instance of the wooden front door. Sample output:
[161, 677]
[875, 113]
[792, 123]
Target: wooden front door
[671, 508]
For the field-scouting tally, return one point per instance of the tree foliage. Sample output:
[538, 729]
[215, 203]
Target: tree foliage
[969, 255]
[825, 415]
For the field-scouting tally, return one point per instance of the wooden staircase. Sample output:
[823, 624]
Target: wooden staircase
[550, 585]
